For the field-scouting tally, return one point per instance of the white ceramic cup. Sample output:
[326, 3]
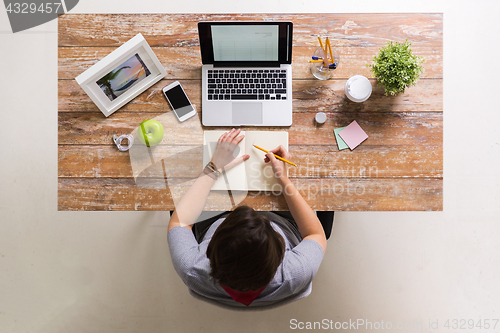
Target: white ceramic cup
[358, 88]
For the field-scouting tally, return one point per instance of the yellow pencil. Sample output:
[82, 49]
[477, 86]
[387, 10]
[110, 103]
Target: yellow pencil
[324, 54]
[330, 48]
[278, 157]
[321, 44]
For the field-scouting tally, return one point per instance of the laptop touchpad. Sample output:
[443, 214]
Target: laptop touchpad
[247, 113]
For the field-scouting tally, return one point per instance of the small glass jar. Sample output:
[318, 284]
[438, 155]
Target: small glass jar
[318, 69]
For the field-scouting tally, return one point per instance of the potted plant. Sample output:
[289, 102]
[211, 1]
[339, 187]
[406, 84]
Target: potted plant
[396, 67]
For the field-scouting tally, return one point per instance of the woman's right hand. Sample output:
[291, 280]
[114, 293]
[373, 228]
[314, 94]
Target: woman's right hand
[279, 167]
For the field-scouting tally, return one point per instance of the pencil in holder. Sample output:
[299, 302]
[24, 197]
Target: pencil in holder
[323, 70]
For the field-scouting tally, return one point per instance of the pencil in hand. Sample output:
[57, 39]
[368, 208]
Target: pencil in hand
[277, 156]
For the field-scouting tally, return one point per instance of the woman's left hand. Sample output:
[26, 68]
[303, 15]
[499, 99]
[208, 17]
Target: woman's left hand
[223, 156]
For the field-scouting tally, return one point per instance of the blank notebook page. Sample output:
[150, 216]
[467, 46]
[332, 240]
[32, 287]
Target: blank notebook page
[253, 174]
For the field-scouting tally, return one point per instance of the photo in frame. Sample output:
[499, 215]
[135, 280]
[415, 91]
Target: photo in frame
[122, 75]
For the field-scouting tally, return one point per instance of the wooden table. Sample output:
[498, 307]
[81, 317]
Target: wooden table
[399, 167]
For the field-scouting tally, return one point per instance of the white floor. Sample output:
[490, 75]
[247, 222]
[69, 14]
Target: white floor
[111, 272]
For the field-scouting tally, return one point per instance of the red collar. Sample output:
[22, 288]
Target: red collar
[245, 298]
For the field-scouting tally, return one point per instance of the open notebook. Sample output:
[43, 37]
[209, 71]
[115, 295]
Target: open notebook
[253, 174]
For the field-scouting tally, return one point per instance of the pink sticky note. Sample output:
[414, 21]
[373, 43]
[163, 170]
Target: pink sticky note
[353, 135]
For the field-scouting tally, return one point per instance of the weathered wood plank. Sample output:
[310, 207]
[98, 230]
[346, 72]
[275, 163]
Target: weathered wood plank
[329, 96]
[179, 62]
[185, 62]
[308, 96]
[312, 162]
[375, 194]
[92, 128]
[350, 29]
[73, 98]
[367, 162]
[398, 194]
[93, 162]
[110, 194]
[383, 129]
[106, 161]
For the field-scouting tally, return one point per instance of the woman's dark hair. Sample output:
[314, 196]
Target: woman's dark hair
[245, 251]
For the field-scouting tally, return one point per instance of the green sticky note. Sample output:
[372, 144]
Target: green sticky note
[340, 142]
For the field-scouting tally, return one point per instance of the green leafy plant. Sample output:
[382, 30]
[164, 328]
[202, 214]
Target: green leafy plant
[396, 67]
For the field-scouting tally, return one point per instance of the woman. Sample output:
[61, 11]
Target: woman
[246, 257]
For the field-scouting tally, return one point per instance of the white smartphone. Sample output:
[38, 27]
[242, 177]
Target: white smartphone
[179, 101]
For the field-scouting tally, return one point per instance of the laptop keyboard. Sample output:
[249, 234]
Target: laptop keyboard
[246, 84]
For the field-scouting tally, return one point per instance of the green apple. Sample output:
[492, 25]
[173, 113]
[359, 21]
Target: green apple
[150, 132]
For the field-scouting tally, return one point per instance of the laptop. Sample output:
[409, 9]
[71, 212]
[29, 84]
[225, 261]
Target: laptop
[246, 73]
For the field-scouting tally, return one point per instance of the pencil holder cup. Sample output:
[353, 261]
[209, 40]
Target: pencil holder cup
[318, 69]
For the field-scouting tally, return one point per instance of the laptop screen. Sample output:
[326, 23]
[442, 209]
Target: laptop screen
[235, 43]
[245, 42]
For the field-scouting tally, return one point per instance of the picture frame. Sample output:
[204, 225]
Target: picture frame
[122, 75]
